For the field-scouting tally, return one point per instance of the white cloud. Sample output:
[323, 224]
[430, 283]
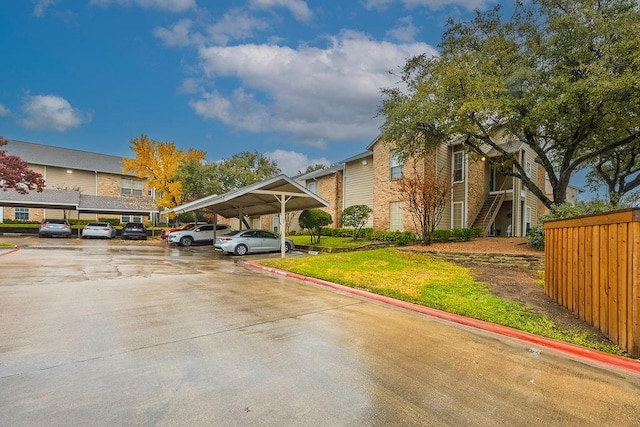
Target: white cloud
[178, 35]
[51, 112]
[314, 94]
[40, 7]
[379, 5]
[292, 162]
[166, 5]
[4, 111]
[298, 8]
[236, 24]
[382, 5]
[405, 31]
[437, 4]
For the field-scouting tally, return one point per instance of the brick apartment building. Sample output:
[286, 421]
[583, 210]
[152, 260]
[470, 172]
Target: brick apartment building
[78, 185]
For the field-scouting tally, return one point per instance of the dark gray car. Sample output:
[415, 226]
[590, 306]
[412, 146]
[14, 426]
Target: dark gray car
[134, 231]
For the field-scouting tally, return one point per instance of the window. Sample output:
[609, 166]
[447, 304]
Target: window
[458, 166]
[527, 219]
[22, 214]
[312, 186]
[395, 216]
[526, 163]
[396, 165]
[131, 187]
[275, 221]
[130, 218]
[458, 214]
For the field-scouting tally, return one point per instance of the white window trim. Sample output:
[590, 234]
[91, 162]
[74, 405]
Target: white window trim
[394, 162]
[453, 214]
[453, 166]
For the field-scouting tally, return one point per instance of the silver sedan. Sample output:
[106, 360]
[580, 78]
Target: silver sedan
[248, 241]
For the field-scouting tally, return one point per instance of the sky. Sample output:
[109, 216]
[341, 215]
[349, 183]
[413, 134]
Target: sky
[298, 81]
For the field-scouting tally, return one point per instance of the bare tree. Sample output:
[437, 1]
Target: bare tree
[425, 198]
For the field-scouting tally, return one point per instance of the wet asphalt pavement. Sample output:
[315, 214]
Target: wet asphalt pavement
[108, 333]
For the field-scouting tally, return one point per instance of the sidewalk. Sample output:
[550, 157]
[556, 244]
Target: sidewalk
[578, 352]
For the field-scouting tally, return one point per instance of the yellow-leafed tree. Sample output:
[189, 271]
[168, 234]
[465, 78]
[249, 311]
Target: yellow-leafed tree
[158, 163]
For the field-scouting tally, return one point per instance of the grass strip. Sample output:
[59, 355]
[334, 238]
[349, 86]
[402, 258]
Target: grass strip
[421, 279]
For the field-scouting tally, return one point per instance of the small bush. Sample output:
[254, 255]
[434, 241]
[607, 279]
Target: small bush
[441, 236]
[398, 237]
[462, 234]
[404, 238]
[535, 237]
[476, 232]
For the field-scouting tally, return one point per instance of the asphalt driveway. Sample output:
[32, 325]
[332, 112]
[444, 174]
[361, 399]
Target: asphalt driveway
[106, 333]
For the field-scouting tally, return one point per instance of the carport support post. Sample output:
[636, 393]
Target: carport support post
[215, 227]
[283, 199]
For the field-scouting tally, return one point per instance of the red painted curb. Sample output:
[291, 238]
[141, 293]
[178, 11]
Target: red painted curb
[571, 349]
[10, 251]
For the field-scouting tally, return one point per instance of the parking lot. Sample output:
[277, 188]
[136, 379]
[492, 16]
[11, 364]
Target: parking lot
[96, 332]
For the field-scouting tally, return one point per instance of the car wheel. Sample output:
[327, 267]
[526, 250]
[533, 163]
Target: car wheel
[287, 247]
[241, 250]
[186, 241]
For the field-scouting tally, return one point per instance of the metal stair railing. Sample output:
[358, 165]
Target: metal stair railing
[492, 210]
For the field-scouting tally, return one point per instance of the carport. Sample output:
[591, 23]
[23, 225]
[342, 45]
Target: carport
[72, 200]
[276, 195]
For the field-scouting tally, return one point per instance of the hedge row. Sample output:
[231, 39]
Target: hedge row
[401, 237]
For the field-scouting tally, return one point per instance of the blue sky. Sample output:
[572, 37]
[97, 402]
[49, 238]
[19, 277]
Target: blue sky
[298, 81]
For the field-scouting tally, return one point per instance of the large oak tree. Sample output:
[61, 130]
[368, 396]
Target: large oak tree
[560, 76]
[200, 179]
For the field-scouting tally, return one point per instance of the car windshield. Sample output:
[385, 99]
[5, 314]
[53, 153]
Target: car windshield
[231, 233]
[56, 221]
[97, 224]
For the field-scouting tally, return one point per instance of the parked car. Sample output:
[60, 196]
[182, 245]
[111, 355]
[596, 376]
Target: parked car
[200, 234]
[189, 225]
[99, 229]
[248, 241]
[134, 230]
[55, 228]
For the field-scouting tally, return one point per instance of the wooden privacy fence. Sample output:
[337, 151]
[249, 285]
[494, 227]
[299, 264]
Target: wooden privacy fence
[592, 267]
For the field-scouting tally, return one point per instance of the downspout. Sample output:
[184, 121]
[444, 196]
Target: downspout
[466, 191]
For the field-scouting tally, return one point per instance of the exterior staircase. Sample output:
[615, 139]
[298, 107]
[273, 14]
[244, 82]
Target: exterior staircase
[488, 212]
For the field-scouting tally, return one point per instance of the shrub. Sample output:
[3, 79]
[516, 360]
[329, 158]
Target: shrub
[476, 232]
[440, 236]
[313, 220]
[535, 236]
[398, 237]
[356, 217]
[462, 234]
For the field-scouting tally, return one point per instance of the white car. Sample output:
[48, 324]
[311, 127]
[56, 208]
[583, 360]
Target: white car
[99, 229]
[201, 234]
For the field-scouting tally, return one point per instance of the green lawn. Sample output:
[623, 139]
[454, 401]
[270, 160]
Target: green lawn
[419, 279]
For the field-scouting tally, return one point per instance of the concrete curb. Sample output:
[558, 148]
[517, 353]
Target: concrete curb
[576, 351]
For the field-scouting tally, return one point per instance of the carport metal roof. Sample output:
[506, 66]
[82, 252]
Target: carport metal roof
[276, 195]
[73, 200]
[263, 198]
